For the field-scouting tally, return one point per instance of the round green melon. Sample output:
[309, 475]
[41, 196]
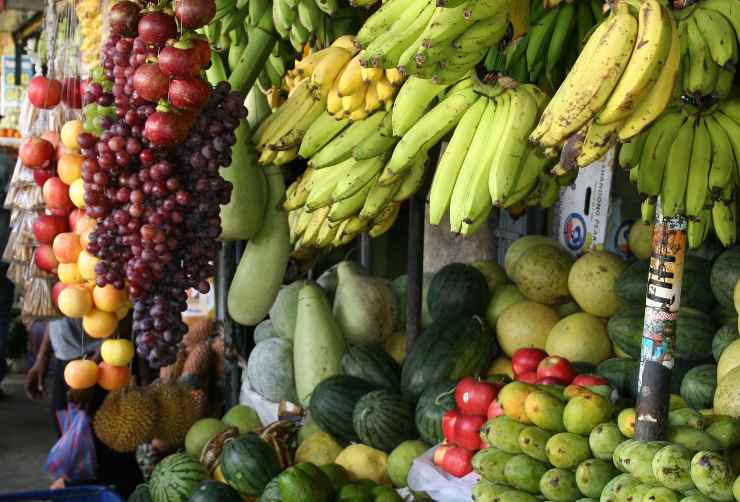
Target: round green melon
[580, 337]
[727, 394]
[729, 360]
[725, 274]
[248, 463]
[383, 420]
[457, 290]
[542, 274]
[502, 298]
[175, 477]
[436, 400]
[724, 337]
[214, 491]
[401, 458]
[140, 494]
[494, 273]
[592, 280]
[521, 246]
[270, 370]
[243, 418]
[199, 434]
[640, 239]
[698, 385]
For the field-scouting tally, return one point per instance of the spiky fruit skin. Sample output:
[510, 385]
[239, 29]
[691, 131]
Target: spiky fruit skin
[170, 374]
[177, 411]
[126, 419]
[200, 331]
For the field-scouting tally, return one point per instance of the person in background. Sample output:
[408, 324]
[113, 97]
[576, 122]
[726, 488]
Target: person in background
[64, 340]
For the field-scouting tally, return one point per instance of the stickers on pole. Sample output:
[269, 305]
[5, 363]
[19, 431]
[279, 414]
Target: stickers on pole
[580, 218]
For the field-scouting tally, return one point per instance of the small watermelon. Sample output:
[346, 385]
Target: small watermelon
[175, 478]
[697, 387]
[214, 491]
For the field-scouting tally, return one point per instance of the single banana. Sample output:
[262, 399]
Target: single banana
[430, 129]
[309, 236]
[352, 205]
[297, 198]
[327, 233]
[385, 17]
[372, 102]
[415, 179]
[412, 101]
[350, 80]
[325, 182]
[379, 142]
[540, 34]
[722, 170]
[483, 33]
[598, 140]
[327, 70]
[355, 101]
[302, 222]
[549, 190]
[384, 89]
[309, 14]
[701, 160]
[732, 129]
[698, 228]
[655, 152]
[378, 198]
[394, 76]
[346, 42]
[358, 176]
[323, 130]
[724, 221]
[651, 51]
[385, 220]
[533, 165]
[647, 210]
[718, 34]
[629, 152]
[699, 71]
[340, 148]
[451, 161]
[676, 174]
[656, 99]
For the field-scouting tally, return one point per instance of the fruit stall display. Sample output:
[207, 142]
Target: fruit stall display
[297, 126]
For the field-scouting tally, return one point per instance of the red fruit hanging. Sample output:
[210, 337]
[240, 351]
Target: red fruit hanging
[164, 127]
[36, 153]
[150, 83]
[156, 27]
[123, 18]
[180, 61]
[457, 461]
[194, 14]
[473, 396]
[44, 92]
[203, 48]
[189, 94]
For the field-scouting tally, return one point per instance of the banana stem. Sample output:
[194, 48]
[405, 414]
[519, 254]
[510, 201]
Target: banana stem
[253, 58]
[217, 71]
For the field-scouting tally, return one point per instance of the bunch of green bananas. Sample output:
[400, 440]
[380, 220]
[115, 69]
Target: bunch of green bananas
[621, 82]
[488, 160]
[439, 43]
[709, 47]
[691, 160]
[549, 49]
[360, 172]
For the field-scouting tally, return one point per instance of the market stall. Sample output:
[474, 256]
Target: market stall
[404, 250]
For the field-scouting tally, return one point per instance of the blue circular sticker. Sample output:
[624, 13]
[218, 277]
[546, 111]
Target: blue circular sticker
[575, 232]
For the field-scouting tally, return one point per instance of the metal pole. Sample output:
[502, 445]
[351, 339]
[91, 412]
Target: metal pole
[415, 268]
[366, 252]
[659, 329]
[225, 267]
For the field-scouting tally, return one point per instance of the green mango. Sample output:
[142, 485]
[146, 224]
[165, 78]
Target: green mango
[517, 496]
[638, 460]
[490, 462]
[523, 473]
[660, 494]
[559, 485]
[386, 494]
[583, 413]
[726, 432]
[586, 499]
[637, 492]
[696, 498]
[566, 450]
[672, 467]
[503, 433]
[545, 410]
[485, 491]
[532, 442]
[337, 475]
[604, 439]
[626, 422]
[617, 490]
[693, 439]
[620, 453]
[688, 417]
[712, 476]
[736, 488]
[592, 475]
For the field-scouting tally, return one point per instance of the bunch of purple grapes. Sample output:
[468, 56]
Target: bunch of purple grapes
[157, 207]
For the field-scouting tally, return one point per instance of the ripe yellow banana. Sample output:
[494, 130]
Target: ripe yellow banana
[372, 101]
[350, 80]
[598, 140]
[385, 220]
[355, 101]
[326, 71]
[371, 74]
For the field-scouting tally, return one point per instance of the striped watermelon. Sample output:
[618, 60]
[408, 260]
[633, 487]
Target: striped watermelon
[248, 463]
[175, 478]
[436, 400]
[333, 402]
[373, 364]
[383, 419]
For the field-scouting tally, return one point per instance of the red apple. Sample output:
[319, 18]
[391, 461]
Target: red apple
[75, 215]
[52, 137]
[439, 453]
[55, 290]
[556, 367]
[494, 410]
[44, 92]
[589, 379]
[45, 259]
[473, 396]
[548, 381]
[56, 194]
[46, 227]
[527, 376]
[41, 175]
[456, 461]
[448, 425]
[36, 153]
[58, 212]
[467, 431]
[526, 359]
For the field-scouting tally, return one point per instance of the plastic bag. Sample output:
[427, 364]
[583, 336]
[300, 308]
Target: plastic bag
[425, 476]
[73, 456]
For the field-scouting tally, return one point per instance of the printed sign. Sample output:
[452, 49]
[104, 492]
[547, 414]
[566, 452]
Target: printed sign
[11, 95]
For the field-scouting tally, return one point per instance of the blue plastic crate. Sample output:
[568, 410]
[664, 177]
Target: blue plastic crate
[74, 494]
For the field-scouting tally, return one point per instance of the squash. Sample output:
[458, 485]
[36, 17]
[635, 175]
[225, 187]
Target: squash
[285, 309]
[372, 363]
[270, 370]
[242, 217]
[457, 290]
[262, 267]
[447, 350]
[263, 331]
[364, 306]
[318, 342]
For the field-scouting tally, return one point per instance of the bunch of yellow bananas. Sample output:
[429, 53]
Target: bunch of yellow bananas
[691, 159]
[89, 16]
[621, 82]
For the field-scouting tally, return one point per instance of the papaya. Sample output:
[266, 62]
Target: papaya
[592, 475]
[604, 439]
[559, 485]
[262, 266]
